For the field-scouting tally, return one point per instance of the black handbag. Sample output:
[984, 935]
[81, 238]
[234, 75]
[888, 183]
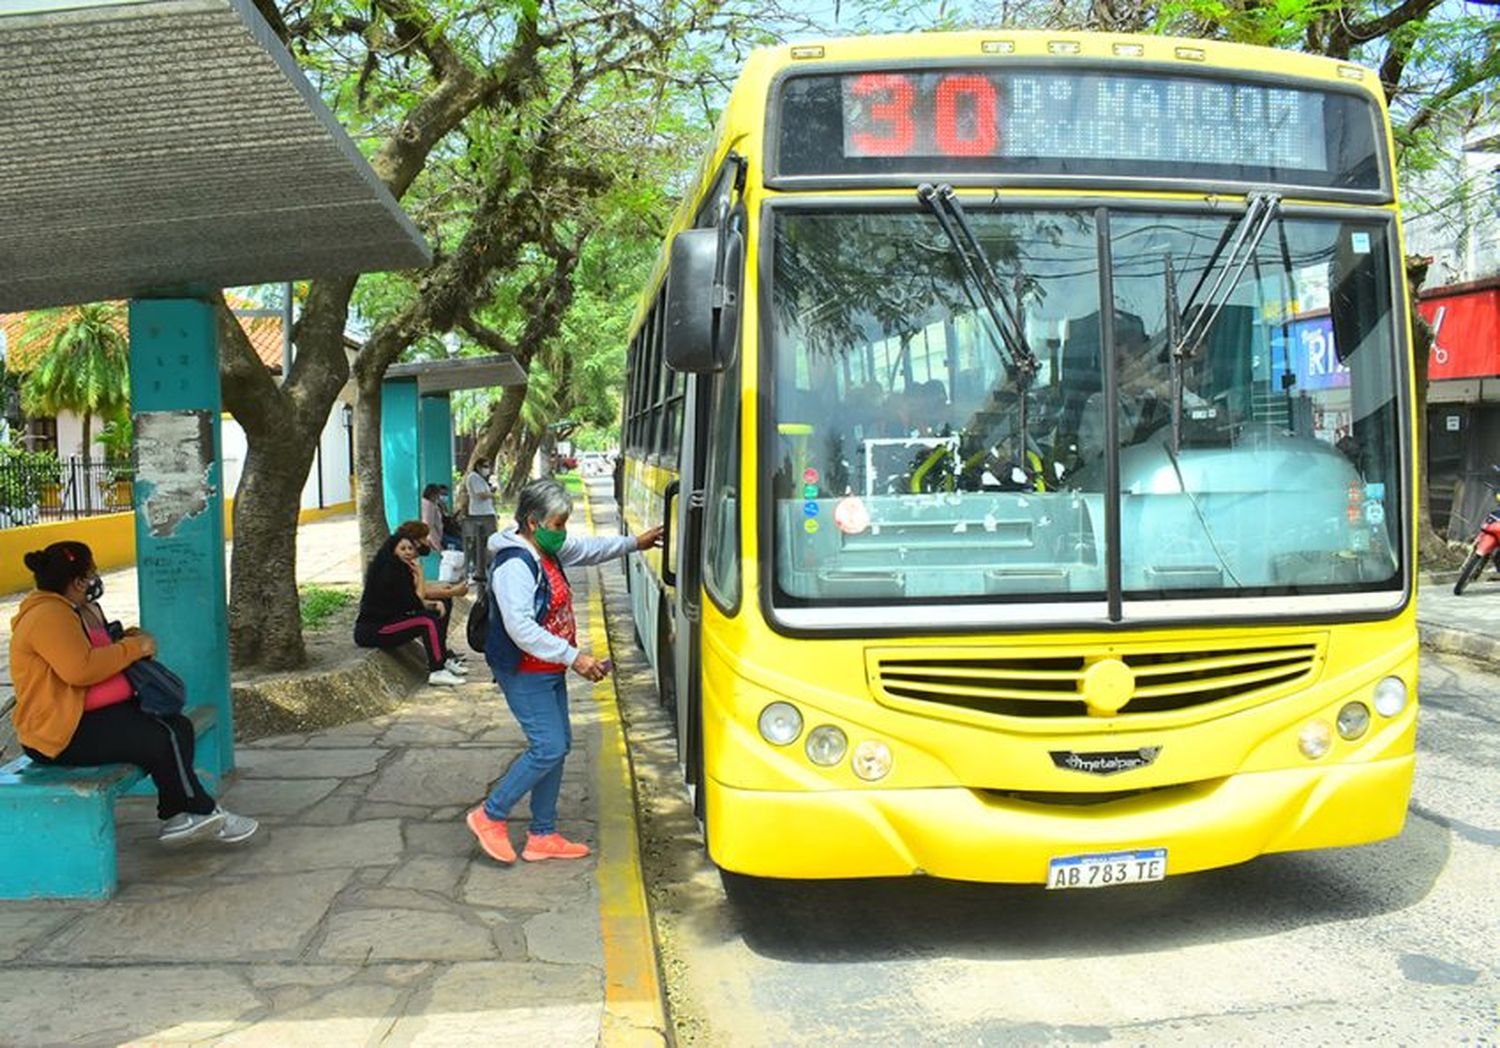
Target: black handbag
[477, 628]
[160, 691]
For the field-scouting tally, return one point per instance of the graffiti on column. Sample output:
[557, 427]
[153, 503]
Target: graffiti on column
[174, 461]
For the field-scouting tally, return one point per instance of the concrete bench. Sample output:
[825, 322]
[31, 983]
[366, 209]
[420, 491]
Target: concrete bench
[57, 825]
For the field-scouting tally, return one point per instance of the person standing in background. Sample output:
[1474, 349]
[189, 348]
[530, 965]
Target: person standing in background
[452, 535]
[432, 516]
[479, 522]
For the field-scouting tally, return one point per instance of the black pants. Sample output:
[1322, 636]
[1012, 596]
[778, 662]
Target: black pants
[476, 536]
[426, 626]
[163, 747]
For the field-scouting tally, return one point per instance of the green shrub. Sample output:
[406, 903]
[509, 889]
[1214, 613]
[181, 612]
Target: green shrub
[319, 603]
[22, 475]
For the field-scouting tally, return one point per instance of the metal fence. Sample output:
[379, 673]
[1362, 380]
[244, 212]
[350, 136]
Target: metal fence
[35, 493]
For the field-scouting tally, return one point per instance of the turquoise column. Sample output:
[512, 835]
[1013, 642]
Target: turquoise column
[179, 498]
[400, 451]
[435, 419]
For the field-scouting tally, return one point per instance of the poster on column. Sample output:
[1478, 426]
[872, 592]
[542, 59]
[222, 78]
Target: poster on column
[174, 468]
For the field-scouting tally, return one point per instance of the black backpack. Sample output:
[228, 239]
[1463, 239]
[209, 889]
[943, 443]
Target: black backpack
[499, 650]
[479, 616]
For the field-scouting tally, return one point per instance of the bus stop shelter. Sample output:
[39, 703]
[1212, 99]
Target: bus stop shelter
[156, 150]
[416, 425]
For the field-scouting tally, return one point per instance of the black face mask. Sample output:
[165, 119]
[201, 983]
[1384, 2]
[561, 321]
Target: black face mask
[95, 590]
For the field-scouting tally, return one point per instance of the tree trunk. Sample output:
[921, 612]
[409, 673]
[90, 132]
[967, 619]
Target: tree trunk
[497, 428]
[521, 471]
[369, 475]
[1430, 545]
[265, 623]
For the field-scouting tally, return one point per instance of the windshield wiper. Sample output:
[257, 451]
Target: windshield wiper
[977, 275]
[1261, 210]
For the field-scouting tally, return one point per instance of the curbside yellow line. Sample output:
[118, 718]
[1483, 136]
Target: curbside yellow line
[634, 1013]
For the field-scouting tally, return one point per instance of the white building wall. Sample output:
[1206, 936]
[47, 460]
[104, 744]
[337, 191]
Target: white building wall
[310, 489]
[232, 437]
[332, 461]
[1453, 214]
[70, 435]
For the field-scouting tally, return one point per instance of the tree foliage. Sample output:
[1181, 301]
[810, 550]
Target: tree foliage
[506, 130]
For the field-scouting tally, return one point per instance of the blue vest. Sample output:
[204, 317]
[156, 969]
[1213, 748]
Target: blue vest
[502, 653]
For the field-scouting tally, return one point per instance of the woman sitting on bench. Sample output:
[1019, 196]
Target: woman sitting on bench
[74, 706]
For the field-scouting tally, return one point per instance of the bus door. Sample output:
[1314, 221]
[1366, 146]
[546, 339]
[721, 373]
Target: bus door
[680, 677]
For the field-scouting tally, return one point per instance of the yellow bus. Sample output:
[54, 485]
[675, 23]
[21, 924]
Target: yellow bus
[962, 580]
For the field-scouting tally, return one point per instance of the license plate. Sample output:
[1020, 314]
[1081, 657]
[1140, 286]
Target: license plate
[1106, 871]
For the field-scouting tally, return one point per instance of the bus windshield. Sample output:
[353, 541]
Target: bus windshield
[906, 470]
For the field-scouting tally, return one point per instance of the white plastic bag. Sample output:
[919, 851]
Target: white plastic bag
[451, 567]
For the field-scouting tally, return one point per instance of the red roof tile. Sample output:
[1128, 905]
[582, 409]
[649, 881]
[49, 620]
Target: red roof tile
[21, 352]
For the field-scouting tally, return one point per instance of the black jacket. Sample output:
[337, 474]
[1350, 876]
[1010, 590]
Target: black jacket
[390, 591]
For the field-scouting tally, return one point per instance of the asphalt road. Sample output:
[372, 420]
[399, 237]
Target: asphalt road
[1393, 943]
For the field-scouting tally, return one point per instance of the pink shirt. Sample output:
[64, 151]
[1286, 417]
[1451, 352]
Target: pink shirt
[107, 692]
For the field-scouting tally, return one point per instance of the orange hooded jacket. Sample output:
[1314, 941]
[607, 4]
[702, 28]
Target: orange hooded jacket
[52, 664]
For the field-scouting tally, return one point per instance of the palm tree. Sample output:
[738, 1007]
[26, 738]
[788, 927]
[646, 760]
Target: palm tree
[85, 368]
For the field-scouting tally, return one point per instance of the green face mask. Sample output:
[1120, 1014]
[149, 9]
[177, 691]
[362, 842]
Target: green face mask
[550, 540]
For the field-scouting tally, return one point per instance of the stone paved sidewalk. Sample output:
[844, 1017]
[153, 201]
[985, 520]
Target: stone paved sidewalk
[1467, 625]
[362, 913]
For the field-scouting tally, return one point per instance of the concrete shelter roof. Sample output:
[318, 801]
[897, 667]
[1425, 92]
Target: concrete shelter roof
[170, 144]
[444, 376]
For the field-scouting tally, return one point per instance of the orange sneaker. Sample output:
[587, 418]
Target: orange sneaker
[492, 835]
[552, 846]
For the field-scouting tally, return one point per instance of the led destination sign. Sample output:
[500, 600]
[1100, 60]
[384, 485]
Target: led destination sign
[1051, 121]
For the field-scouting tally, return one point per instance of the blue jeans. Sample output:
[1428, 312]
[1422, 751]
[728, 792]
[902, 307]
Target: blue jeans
[540, 703]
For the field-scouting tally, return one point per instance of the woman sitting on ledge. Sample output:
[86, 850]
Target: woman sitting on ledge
[398, 605]
[74, 706]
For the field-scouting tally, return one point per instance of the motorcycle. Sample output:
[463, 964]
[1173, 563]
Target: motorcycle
[1485, 543]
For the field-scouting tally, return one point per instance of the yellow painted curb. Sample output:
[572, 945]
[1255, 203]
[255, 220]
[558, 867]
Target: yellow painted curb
[634, 1014]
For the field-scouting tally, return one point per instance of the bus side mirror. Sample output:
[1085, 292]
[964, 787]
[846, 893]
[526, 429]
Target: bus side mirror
[703, 299]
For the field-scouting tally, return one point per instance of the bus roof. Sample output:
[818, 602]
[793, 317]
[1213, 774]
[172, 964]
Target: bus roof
[1025, 43]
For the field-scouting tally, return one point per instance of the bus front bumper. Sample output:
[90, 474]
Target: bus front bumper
[963, 834]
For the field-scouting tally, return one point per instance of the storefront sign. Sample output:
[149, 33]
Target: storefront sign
[1313, 359]
[1466, 333]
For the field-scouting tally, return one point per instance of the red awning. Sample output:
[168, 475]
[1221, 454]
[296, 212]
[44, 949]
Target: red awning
[1467, 327]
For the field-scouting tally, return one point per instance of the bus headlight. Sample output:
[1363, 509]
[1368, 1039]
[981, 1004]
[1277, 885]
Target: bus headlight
[826, 745]
[1390, 696]
[872, 760]
[1315, 739]
[780, 724]
[1354, 720]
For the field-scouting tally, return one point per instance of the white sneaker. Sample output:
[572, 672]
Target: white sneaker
[455, 667]
[443, 676]
[187, 826]
[236, 828]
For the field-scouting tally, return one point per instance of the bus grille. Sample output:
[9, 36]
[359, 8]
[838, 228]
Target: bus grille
[1048, 685]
